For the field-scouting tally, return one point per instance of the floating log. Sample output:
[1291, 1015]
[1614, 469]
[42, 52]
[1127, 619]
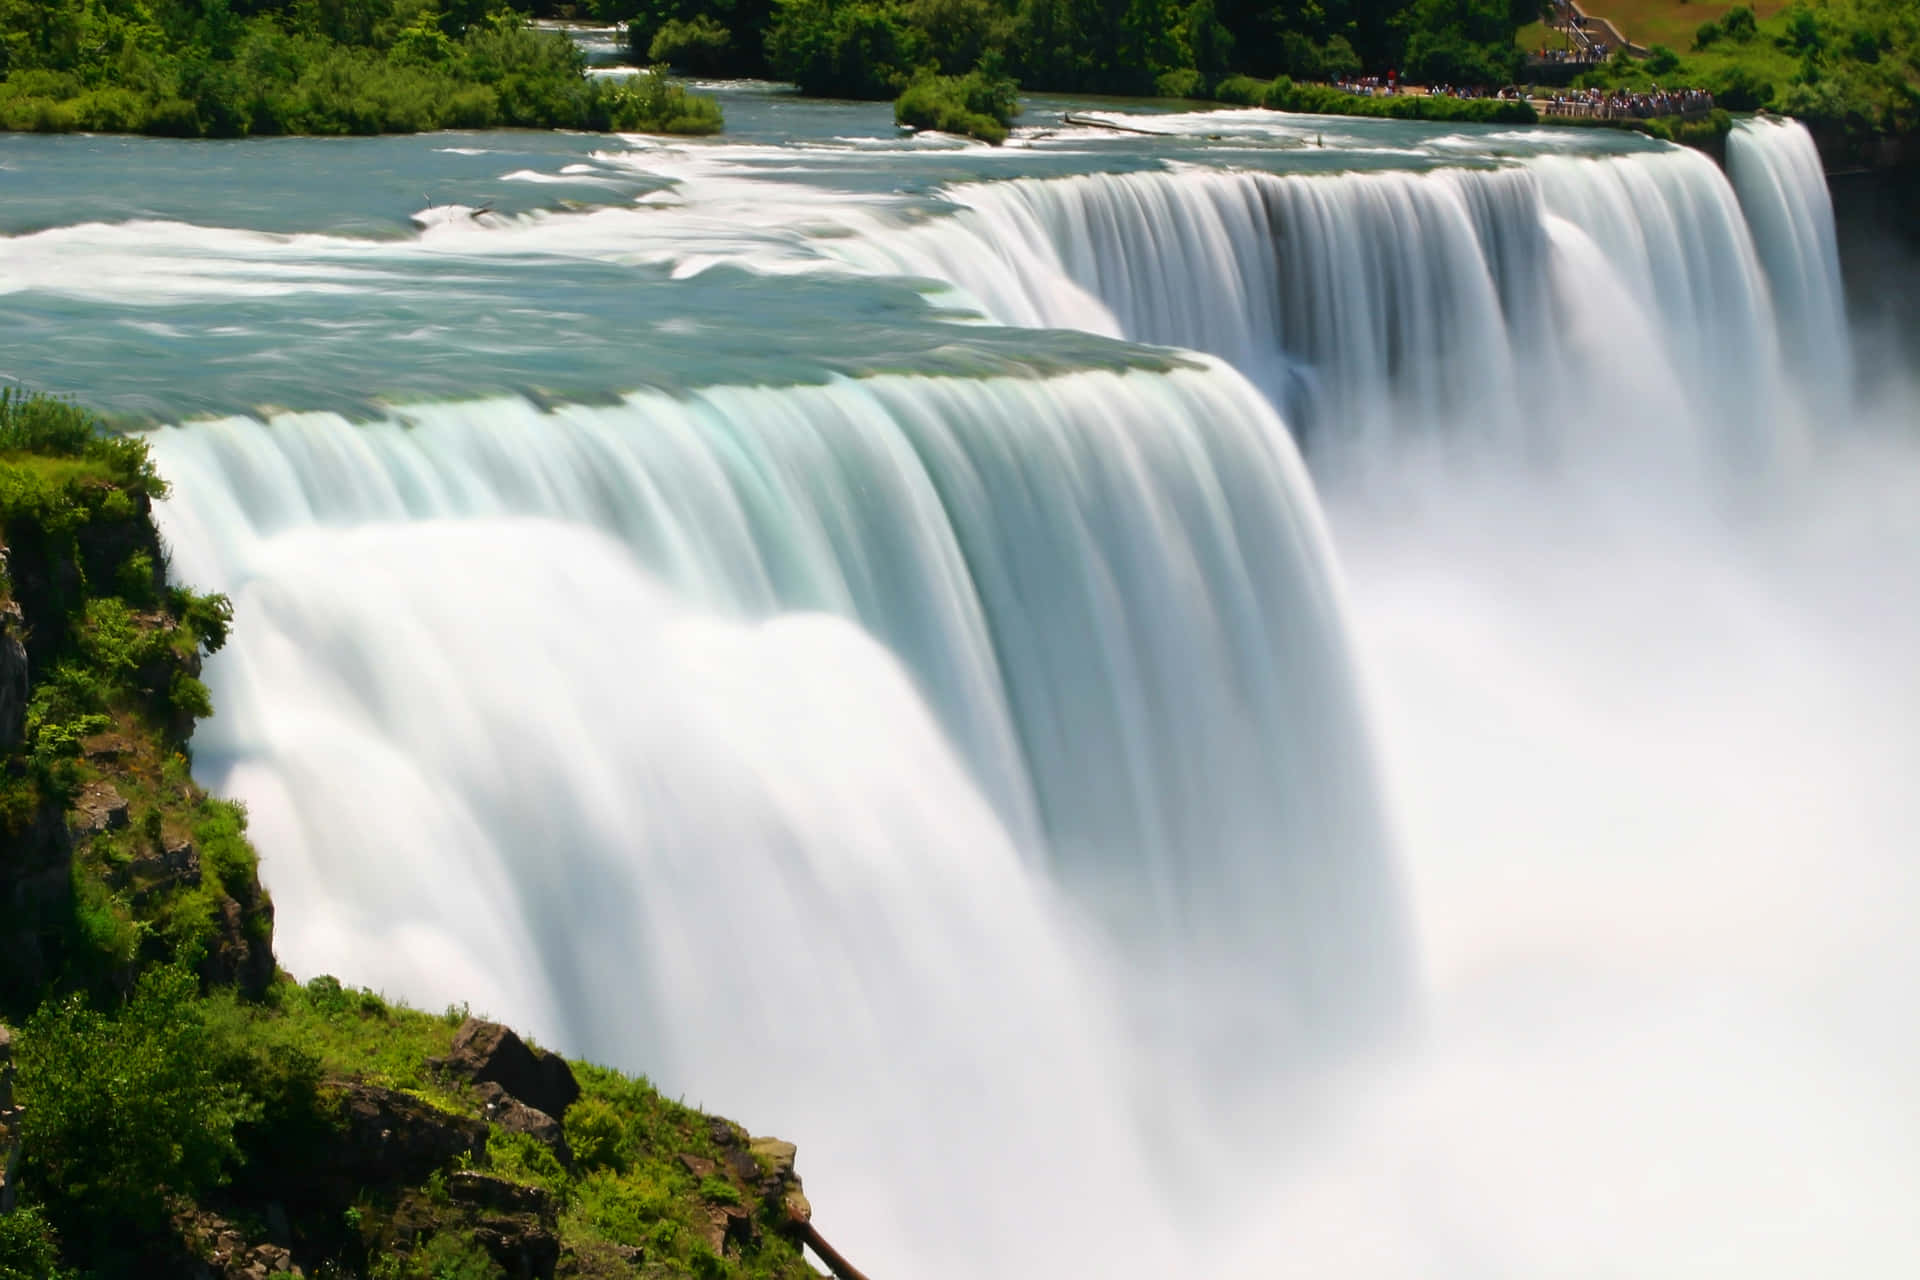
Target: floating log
[1090, 123]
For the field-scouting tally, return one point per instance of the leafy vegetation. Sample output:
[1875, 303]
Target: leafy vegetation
[881, 48]
[125, 1106]
[978, 104]
[228, 68]
[1285, 95]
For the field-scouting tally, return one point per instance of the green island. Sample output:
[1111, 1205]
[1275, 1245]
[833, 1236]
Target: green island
[171, 1103]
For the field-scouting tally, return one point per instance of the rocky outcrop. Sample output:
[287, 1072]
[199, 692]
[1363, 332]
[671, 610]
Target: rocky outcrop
[488, 1053]
[9, 1127]
[13, 676]
[515, 1224]
[391, 1137]
[36, 901]
[515, 1116]
[218, 1250]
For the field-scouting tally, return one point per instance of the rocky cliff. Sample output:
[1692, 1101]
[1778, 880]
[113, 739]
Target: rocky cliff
[183, 1108]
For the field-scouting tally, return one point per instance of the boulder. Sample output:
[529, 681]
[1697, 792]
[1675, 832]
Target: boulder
[525, 1248]
[729, 1228]
[778, 1155]
[487, 1051]
[393, 1137]
[99, 808]
[498, 1194]
[515, 1116]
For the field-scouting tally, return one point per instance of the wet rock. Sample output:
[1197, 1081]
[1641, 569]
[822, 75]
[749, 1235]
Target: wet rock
[488, 1052]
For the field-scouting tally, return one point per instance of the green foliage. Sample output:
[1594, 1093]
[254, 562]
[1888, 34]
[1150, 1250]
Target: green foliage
[29, 1248]
[977, 104]
[124, 1105]
[1849, 68]
[842, 48]
[699, 45]
[597, 1135]
[445, 1255]
[190, 68]
[651, 103]
[1284, 95]
[35, 429]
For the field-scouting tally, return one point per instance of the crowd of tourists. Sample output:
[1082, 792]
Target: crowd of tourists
[1589, 56]
[1369, 86]
[1600, 104]
[1625, 104]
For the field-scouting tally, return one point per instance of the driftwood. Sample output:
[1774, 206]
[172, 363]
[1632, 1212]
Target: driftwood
[811, 1237]
[1090, 123]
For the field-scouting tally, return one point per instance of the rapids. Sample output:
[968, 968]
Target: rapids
[843, 624]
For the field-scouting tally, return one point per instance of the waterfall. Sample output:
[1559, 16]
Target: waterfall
[1783, 190]
[970, 776]
[648, 776]
[1576, 308]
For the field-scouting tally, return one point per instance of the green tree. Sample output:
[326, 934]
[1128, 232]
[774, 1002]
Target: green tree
[123, 1106]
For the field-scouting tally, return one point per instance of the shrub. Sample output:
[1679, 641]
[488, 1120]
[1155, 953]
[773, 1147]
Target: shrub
[123, 1106]
[29, 1249]
[652, 103]
[1661, 61]
[597, 1135]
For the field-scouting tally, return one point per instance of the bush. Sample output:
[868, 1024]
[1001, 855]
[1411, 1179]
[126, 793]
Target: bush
[651, 103]
[29, 1250]
[1661, 61]
[122, 1107]
[978, 104]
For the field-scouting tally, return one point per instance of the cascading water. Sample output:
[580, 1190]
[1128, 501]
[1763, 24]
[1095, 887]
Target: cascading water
[1535, 308]
[939, 743]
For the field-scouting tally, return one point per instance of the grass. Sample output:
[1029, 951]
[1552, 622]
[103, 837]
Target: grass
[1669, 22]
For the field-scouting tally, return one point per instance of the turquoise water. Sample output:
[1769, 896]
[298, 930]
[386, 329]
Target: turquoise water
[162, 279]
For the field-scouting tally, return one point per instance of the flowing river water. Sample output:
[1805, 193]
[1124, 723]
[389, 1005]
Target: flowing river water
[1296, 696]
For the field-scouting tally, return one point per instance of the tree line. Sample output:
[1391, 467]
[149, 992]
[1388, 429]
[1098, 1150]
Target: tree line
[876, 48]
[227, 68]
